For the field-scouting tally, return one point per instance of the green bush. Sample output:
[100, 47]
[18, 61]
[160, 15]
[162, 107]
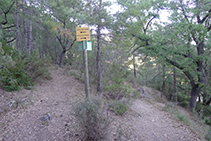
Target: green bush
[13, 77]
[91, 118]
[114, 82]
[24, 72]
[183, 99]
[38, 67]
[207, 111]
[183, 118]
[208, 135]
[120, 108]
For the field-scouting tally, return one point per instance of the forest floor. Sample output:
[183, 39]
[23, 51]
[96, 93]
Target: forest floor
[45, 113]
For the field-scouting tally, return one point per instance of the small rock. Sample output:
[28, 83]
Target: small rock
[46, 117]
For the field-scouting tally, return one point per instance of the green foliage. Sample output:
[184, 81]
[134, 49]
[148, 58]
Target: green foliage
[208, 135]
[38, 67]
[179, 115]
[13, 77]
[23, 73]
[5, 58]
[114, 82]
[5, 47]
[205, 112]
[183, 118]
[183, 99]
[90, 116]
[120, 108]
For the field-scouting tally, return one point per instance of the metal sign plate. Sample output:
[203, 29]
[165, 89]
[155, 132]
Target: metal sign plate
[82, 34]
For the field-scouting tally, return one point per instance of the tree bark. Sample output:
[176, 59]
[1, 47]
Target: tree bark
[99, 72]
[24, 27]
[134, 66]
[62, 58]
[57, 55]
[195, 91]
[160, 81]
[17, 27]
[30, 33]
[196, 88]
[175, 85]
[146, 77]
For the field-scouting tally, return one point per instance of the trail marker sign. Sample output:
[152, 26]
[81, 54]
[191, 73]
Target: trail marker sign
[82, 34]
[86, 45]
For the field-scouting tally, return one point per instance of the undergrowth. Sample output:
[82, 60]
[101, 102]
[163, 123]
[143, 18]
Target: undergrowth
[119, 107]
[208, 135]
[23, 72]
[91, 118]
[192, 120]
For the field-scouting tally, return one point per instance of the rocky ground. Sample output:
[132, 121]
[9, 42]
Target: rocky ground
[45, 113]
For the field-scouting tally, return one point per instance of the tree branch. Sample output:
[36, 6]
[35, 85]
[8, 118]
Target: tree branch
[60, 41]
[208, 29]
[9, 27]
[194, 38]
[187, 73]
[71, 45]
[4, 23]
[146, 40]
[5, 13]
[137, 48]
[149, 23]
[183, 11]
[11, 40]
[205, 17]
[9, 8]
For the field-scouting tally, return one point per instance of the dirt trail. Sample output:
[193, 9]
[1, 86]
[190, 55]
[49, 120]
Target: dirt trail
[50, 119]
[148, 123]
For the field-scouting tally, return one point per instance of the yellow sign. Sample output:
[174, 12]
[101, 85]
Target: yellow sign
[82, 33]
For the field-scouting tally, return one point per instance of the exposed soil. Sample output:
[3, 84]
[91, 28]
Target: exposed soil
[45, 114]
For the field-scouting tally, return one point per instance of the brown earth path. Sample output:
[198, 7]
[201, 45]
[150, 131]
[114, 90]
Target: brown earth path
[54, 99]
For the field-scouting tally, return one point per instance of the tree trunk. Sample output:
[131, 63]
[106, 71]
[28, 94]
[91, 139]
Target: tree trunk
[62, 58]
[99, 72]
[164, 82]
[30, 33]
[24, 27]
[160, 81]
[146, 80]
[134, 66]
[195, 91]
[17, 27]
[175, 85]
[196, 88]
[57, 55]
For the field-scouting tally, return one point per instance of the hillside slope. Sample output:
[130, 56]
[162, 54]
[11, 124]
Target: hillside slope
[49, 117]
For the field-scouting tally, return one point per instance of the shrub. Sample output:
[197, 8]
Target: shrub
[183, 118]
[114, 83]
[183, 99]
[38, 67]
[120, 108]
[208, 135]
[91, 118]
[24, 72]
[13, 77]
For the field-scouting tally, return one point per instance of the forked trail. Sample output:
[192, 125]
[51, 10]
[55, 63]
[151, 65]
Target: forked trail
[50, 117]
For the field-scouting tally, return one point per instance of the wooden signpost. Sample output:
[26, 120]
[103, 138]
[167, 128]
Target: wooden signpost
[83, 34]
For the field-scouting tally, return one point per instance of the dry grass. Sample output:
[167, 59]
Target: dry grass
[192, 120]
